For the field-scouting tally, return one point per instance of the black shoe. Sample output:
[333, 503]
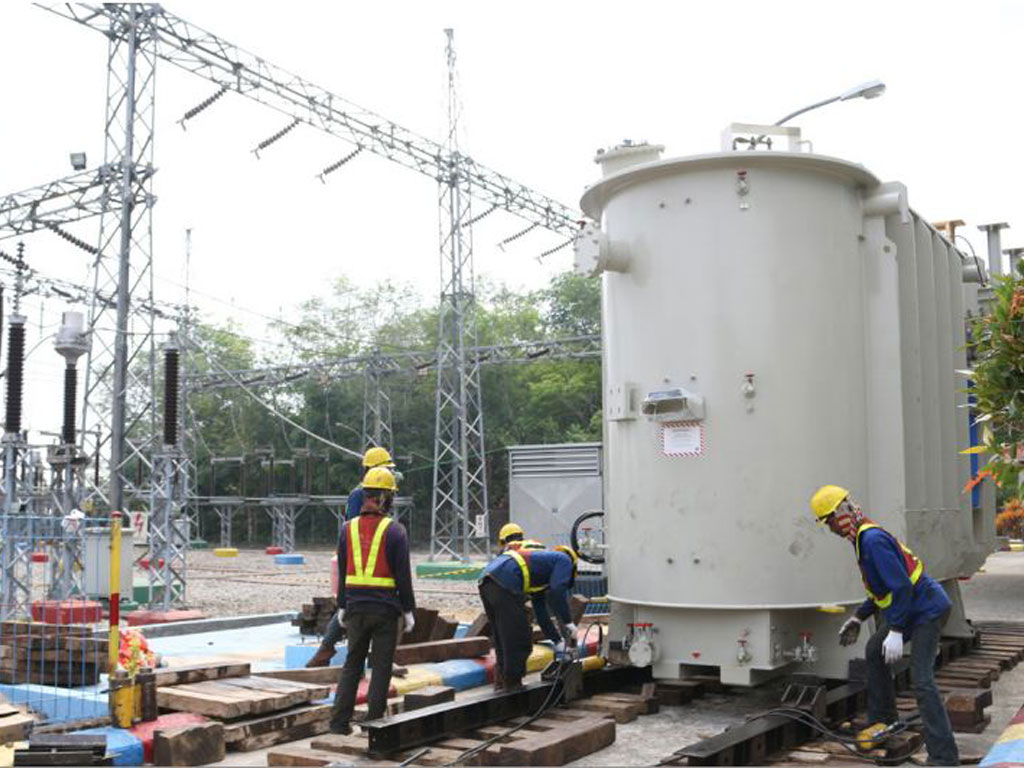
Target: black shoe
[341, 730]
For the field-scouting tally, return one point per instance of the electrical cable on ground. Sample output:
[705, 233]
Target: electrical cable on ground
[555, 693]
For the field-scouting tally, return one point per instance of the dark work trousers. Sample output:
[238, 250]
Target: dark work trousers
[364, 628]
[510, 631]
[938, 733]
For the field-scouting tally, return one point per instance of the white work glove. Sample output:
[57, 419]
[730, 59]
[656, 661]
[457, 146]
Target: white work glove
[410, 621]
[850, 631]
[570, 633]
[892, 648]
[341, 616]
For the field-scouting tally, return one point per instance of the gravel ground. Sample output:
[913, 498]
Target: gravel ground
[252, 583]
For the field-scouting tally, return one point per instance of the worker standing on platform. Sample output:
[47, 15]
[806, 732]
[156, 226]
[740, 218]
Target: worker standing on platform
[374, 457]
[375, 597]
[914, 608]
[512, 536]
[506, 582]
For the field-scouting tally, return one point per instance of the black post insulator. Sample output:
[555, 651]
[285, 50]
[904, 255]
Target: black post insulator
[15, 376]
[171, 392]
[67, 433]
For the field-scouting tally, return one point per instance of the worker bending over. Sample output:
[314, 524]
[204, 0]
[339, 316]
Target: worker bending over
[543, 576]
[511, 536]
[374, 457]
[374, 595]
[914, 607]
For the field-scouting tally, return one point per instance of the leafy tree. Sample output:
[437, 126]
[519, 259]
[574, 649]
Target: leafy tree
[998, 380]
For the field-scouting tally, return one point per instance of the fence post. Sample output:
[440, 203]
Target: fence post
[114, 644]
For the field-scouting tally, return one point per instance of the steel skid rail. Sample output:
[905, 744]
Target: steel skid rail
[427, 725]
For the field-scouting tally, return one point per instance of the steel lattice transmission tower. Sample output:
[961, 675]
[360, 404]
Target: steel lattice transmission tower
[119, 374]
[458, 518]
[376, 406]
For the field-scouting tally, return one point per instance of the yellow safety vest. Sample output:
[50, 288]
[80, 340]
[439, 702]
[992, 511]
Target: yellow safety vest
[914, 565]
[358, 574]
[526, 572]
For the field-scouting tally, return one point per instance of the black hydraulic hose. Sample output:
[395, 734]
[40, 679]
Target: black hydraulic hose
[574, 537]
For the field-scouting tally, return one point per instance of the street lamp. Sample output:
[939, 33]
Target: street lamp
[869, 90]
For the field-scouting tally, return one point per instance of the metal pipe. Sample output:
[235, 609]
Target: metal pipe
[995, 251]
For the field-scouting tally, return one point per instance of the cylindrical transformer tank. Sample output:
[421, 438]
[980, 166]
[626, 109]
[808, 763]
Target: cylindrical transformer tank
[772, 321]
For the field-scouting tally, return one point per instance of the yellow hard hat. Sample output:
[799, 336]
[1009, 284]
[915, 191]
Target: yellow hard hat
[380, 479]
[509, 529]
[826, 499]
[377, 457]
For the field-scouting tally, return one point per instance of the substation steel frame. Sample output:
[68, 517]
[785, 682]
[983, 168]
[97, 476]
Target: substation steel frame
[459, 511]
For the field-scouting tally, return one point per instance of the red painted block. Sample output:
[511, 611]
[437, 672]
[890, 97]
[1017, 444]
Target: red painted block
[487, 662]
[141, 617]
[67, 611]
[274, 550]
[40, 557]
[144, 731]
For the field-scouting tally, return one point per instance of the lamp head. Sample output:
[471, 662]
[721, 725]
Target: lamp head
[869, 90]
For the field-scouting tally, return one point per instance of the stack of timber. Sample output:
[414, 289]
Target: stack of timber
[64, 749]
[253, 711]
[314, 617]
[559, 736]
[65, 655]
[15, 723]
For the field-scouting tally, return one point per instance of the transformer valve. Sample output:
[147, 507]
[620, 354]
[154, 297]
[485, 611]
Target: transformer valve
[640, 644]
[806, 652]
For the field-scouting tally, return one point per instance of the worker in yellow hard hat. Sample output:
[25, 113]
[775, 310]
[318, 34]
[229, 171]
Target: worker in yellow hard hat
[374, 457]
[545, 578]
[913, 608]
[375, 597]
[512, 536]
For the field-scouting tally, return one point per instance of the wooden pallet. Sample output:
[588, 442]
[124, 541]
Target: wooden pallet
[235, 697]
[559, 737]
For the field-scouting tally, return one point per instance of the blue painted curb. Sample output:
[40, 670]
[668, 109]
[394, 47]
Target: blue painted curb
[460, 674]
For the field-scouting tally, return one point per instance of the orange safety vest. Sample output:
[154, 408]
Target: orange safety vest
[911, 561]
[523, 558]
[364, 566]
[523, 544]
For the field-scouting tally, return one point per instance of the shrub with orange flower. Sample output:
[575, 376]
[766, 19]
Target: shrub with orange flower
[1010, 521]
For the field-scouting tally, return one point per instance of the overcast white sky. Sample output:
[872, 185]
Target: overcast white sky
[544, 84]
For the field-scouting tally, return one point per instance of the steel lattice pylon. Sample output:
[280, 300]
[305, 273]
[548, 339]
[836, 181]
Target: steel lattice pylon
[458, 515]
[119, 373]
[376, 407]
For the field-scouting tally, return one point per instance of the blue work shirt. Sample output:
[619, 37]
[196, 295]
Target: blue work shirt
[549, 569]
[355, 502]
[884, 568]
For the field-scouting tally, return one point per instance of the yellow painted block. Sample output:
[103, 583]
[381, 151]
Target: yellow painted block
[418, 677]
[541, 656]
[1013, 733]
[225, 552]
[1016, 547]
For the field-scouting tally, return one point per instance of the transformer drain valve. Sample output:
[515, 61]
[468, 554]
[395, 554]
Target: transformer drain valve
[643, 651]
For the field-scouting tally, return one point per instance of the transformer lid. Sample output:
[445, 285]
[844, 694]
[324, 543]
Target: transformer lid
[597, 195]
